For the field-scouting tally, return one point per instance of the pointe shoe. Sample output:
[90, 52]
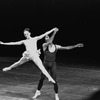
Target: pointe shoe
[56, 97]
[50, 79]
[36, 94]
[6, 69]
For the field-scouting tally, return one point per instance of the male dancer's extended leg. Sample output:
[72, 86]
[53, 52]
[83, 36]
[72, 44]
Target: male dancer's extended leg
[40, 84]
[39, 63]
[42, 79]
[18, 63]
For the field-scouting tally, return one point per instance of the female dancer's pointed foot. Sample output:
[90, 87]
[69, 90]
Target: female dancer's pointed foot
[6, 69]
[50, 79]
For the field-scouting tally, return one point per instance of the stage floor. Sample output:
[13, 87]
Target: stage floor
[21, 83]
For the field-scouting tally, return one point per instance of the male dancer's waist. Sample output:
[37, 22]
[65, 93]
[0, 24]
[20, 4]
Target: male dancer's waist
[49, 58]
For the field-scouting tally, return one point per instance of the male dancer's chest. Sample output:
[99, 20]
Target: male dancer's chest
[51, 48]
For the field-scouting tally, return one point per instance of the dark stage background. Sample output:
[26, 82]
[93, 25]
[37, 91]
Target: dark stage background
[78, 22]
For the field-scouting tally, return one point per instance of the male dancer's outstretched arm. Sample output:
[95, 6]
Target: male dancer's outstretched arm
[69, 47]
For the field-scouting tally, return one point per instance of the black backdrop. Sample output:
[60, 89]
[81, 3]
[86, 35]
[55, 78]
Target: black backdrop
[77, 20]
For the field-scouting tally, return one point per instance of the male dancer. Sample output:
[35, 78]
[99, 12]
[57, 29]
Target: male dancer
[50, 50]
[31, 52]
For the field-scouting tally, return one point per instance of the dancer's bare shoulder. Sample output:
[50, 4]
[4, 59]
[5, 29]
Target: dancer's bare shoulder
[44, 46]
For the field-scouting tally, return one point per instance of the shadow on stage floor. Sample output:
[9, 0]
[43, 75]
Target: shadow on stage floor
[74, 83]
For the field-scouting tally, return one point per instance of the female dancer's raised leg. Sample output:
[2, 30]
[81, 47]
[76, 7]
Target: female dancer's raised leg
[39, 63]
[16, 64]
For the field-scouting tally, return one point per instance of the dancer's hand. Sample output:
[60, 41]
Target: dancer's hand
[39, 51]
[56, 29]
[1, 42]
[80, 45]
[6, 69]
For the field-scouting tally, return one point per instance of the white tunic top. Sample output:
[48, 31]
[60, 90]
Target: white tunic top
[31, 48]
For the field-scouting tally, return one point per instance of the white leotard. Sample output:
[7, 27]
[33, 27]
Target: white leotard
[31, 48]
